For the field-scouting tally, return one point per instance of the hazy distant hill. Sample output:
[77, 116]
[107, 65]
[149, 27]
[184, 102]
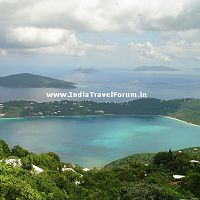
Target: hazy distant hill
[155, 68]
[26, 80]
[85, 70]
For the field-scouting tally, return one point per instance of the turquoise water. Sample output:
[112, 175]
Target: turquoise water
[96, 140]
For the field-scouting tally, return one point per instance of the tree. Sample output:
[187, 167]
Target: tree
[4, 149]
[192, 183]
[163, 158]
[146, 191]
[54, 156]
[19, 151]
[14, 188]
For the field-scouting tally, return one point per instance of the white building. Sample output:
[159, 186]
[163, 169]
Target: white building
[178, 177]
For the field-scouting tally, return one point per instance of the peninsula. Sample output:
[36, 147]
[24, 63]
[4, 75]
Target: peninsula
[26, 80]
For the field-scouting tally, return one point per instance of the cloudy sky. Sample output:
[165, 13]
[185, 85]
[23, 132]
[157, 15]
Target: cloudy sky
[45, 35]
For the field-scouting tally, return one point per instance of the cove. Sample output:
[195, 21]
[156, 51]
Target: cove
[93, 141]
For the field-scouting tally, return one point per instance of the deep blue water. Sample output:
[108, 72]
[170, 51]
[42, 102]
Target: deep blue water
[158, 85]
[96, 140]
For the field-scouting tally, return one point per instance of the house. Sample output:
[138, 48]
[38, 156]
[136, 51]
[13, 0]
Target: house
[68, 169]
[178, 177]
[2, 114]
[86, 169]
[12, 161]
[17, 163]
[99, 111]
[194, 161]
[37, 169]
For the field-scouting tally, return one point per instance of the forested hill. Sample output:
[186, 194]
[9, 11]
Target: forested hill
[26, 80]
[28, 176]
[184, 109]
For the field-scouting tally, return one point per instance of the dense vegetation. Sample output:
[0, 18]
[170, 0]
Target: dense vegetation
[26, 80]
[137, 177]
[184, 109]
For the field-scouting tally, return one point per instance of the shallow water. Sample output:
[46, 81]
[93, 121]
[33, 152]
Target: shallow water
[96, 140]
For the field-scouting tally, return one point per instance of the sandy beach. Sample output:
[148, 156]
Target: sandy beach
[181, 121]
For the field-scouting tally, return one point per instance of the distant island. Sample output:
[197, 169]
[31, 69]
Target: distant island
[155, 68]
[26, 80]
[183, 109]
[85, 70]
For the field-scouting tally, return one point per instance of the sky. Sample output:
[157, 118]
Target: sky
[43, 36]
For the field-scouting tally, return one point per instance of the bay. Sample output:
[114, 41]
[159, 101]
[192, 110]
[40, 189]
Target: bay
[96, 140]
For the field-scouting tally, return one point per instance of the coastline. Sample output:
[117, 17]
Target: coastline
[62, 116]
[173, 118]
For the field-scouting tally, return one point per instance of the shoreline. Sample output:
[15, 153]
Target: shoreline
[62, 116]
[173, 118]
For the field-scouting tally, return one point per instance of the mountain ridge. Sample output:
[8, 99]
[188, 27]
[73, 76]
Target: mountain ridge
[183, 109]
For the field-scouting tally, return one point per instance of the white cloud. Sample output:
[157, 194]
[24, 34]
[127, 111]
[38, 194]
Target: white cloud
[37, 37]
[3, 52]
[43, 40]
[48, 41]
[146, 50]
[102, 15]
[56, 26]
[182, 44]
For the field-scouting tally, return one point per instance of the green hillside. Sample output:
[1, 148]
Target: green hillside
[26, 80]
[185, 109]
[137, 177]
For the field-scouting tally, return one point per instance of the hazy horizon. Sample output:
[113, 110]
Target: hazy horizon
[47, 37]
[98, 44]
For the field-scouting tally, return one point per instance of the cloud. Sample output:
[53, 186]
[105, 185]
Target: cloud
[146, 50]
[38, 37]
[102, 15]
[42, 40]
[2, 52]
[183, 44]
[46, 40]
[62, 27]
[31, 39]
